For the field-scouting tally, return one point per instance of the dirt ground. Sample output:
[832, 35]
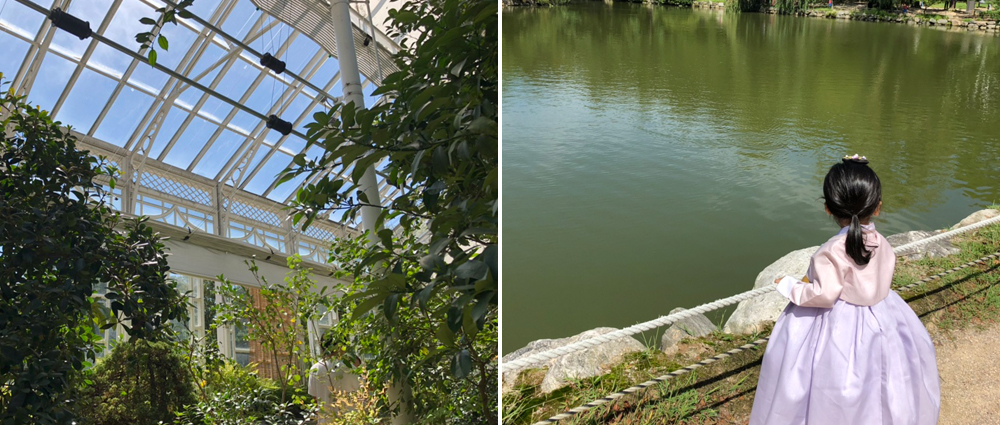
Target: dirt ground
[969, 364]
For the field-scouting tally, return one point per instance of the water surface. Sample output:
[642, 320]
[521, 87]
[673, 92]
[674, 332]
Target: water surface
[661, 157]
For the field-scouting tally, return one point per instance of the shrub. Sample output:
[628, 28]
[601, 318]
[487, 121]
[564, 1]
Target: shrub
[236, 395]
[51, 235]
[993, 15]
[141, 382]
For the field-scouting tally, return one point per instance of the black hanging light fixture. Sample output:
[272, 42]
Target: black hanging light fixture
[368, 40]
[282, 126]
[70, 23]
[273, 63]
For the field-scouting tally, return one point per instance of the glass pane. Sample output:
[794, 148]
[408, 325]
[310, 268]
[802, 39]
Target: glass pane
[243, 358]
[171, 123]
[54, 75]
[88, 97]
[182, 332]
[221, 151]
[187, 146]
[12, 51]
[120, 122]
[240, 337]
[239, 21]
[209, 312]
[183, 282]
[22, 19]
[268, 173]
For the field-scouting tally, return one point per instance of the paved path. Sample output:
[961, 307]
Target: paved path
[969, 364]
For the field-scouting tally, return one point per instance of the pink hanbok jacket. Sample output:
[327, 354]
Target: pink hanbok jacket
[834, 275]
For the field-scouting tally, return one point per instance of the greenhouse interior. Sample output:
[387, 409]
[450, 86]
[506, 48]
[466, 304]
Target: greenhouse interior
[249, 211]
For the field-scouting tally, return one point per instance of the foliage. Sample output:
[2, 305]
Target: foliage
[360, 407]
[280, 323]
[883, 4]
[405, 346]
[168, 14]
[440, 137]
[683, 3]
[236, 396]
[789, 6]
[50, 256]
[57, 241]
[874, 15]
[143, 300]
[746, 5]
[993, 15]
[141, 382]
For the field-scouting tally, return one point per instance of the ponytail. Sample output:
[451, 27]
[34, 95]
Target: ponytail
[852, 191]
[855, 243]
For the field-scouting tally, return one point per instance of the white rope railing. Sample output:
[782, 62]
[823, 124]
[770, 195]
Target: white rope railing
[547, 355]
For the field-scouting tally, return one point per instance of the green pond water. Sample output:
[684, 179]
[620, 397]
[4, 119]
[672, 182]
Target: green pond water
[661, 157]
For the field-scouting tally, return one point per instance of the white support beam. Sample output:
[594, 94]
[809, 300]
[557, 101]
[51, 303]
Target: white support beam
[173, 85]
[86, 58]
[286, 98]
[271, 187]
[25, 78]
[232, 58]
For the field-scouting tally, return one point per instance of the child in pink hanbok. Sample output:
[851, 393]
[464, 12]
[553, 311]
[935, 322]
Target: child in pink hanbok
[848, 350]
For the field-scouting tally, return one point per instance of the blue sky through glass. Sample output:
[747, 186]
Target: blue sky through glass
[90, 89]
[93, 92]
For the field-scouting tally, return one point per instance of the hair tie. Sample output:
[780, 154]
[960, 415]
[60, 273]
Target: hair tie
[855, 158]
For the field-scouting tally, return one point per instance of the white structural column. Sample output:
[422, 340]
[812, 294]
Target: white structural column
[400, 393]
[340, 12]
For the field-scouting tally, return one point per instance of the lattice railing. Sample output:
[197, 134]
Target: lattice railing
[262, 214]
[179, 198]
[184, 190]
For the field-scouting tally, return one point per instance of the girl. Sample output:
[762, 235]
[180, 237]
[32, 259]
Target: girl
[847, 350]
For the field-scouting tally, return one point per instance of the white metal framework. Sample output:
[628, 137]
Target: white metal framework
[189, 138]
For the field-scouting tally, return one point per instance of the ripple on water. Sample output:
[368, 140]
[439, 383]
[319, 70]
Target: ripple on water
[659, 157]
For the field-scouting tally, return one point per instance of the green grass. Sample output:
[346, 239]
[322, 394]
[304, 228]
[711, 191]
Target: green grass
[723, 392]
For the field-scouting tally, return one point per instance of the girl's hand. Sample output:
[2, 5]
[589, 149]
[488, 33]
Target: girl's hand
[804, 279]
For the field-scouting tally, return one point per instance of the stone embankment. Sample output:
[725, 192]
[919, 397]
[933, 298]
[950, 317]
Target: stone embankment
[958, 22]
[750, 316]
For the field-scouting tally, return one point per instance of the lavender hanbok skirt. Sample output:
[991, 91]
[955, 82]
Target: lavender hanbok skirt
[848, 365]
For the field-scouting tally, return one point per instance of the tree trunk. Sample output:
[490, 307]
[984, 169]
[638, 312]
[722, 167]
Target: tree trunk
[401, 395]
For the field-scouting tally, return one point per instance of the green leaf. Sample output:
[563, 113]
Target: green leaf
[454, 318]
[425, 294]
[445, 335]
[469, 323]
[392, 282]
[461, 364]
[368, 304]
[162, 41]
[386, 236]
[482, 305]
[147, 21]
[472, 269]
[438, 245]
[152, 57]
[389, 306]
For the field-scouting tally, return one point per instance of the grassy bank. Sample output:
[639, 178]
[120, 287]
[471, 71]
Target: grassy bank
[723, 392]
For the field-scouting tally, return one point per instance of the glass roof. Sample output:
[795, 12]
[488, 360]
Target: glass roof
[135, 109]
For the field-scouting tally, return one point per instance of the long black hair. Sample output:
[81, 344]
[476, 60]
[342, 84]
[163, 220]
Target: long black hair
[852, 191]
